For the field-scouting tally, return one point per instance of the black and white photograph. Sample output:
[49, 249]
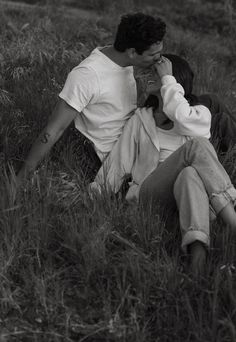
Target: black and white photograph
[117, 171]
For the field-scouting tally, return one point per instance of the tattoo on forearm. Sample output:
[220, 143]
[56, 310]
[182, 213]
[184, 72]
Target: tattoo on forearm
[44, 138]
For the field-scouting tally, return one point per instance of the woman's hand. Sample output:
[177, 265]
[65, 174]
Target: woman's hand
[163, 67]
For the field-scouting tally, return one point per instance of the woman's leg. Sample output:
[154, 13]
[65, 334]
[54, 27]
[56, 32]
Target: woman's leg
[200, 154]
[185, 189]
[194, 212]
[208, 182]
[193, 206]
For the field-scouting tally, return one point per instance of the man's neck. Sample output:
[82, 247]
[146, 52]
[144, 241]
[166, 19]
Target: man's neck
[117, 57]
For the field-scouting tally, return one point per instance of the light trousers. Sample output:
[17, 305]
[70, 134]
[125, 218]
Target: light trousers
[193, 180]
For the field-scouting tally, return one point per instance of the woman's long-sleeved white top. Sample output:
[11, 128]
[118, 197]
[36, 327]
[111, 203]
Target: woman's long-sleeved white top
[137, 151]
[188, 120]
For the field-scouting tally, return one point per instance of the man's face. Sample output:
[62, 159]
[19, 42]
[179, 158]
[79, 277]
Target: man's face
[150, 56]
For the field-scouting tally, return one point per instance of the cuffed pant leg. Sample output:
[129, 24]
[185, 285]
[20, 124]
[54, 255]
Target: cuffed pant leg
[193, 205]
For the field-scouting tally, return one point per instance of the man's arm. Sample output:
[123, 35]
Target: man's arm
[62, 116]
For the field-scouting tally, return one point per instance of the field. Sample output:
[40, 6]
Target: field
[77, 269]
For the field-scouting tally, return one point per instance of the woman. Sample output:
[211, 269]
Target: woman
[171, 161]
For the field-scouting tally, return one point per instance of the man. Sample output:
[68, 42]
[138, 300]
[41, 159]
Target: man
[100, 93]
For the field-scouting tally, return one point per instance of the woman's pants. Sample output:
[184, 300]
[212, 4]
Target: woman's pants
[193, 179]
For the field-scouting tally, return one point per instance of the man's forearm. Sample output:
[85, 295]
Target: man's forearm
[61, 117]
[39, 149]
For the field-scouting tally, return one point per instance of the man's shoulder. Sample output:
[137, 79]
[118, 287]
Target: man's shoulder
[95, 58]
[84, 73]
[88, 68]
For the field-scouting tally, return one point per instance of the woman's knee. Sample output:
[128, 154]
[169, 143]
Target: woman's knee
[185, 177]
[198, 145]
[198, 142]
[187, 173]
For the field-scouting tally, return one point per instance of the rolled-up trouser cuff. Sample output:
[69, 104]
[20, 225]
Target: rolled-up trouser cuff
[192, 236]
[220, 200]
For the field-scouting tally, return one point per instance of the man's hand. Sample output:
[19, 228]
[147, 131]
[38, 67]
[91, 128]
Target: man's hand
[163, 67]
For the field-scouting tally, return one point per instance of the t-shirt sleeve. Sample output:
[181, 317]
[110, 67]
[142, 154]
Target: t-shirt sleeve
[80, 89]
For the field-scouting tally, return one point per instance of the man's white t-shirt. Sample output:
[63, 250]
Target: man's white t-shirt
[104, 94]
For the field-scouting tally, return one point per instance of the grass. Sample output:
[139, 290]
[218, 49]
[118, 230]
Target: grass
[76, 269]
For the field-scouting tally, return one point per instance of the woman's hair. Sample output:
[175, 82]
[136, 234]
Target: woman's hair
[138, 31]
[152, 101]
[183, 75]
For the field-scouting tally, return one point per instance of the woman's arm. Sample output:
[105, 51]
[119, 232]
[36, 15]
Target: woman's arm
[189, 120]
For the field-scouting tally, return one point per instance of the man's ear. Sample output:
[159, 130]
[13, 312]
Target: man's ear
[131, 52]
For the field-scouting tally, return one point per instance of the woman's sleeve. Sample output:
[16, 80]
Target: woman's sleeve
[189, 120]
[120, 160]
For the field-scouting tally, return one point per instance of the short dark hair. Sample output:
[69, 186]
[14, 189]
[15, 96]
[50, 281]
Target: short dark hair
[139, 31]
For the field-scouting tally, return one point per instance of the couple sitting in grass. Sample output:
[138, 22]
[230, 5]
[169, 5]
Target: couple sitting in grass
[163, 146]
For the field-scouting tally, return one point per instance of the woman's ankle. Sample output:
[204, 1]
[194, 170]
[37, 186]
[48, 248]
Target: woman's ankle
[198, 255]
[228, 215]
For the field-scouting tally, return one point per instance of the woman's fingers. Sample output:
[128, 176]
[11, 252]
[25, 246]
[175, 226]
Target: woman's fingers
[163, 66]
